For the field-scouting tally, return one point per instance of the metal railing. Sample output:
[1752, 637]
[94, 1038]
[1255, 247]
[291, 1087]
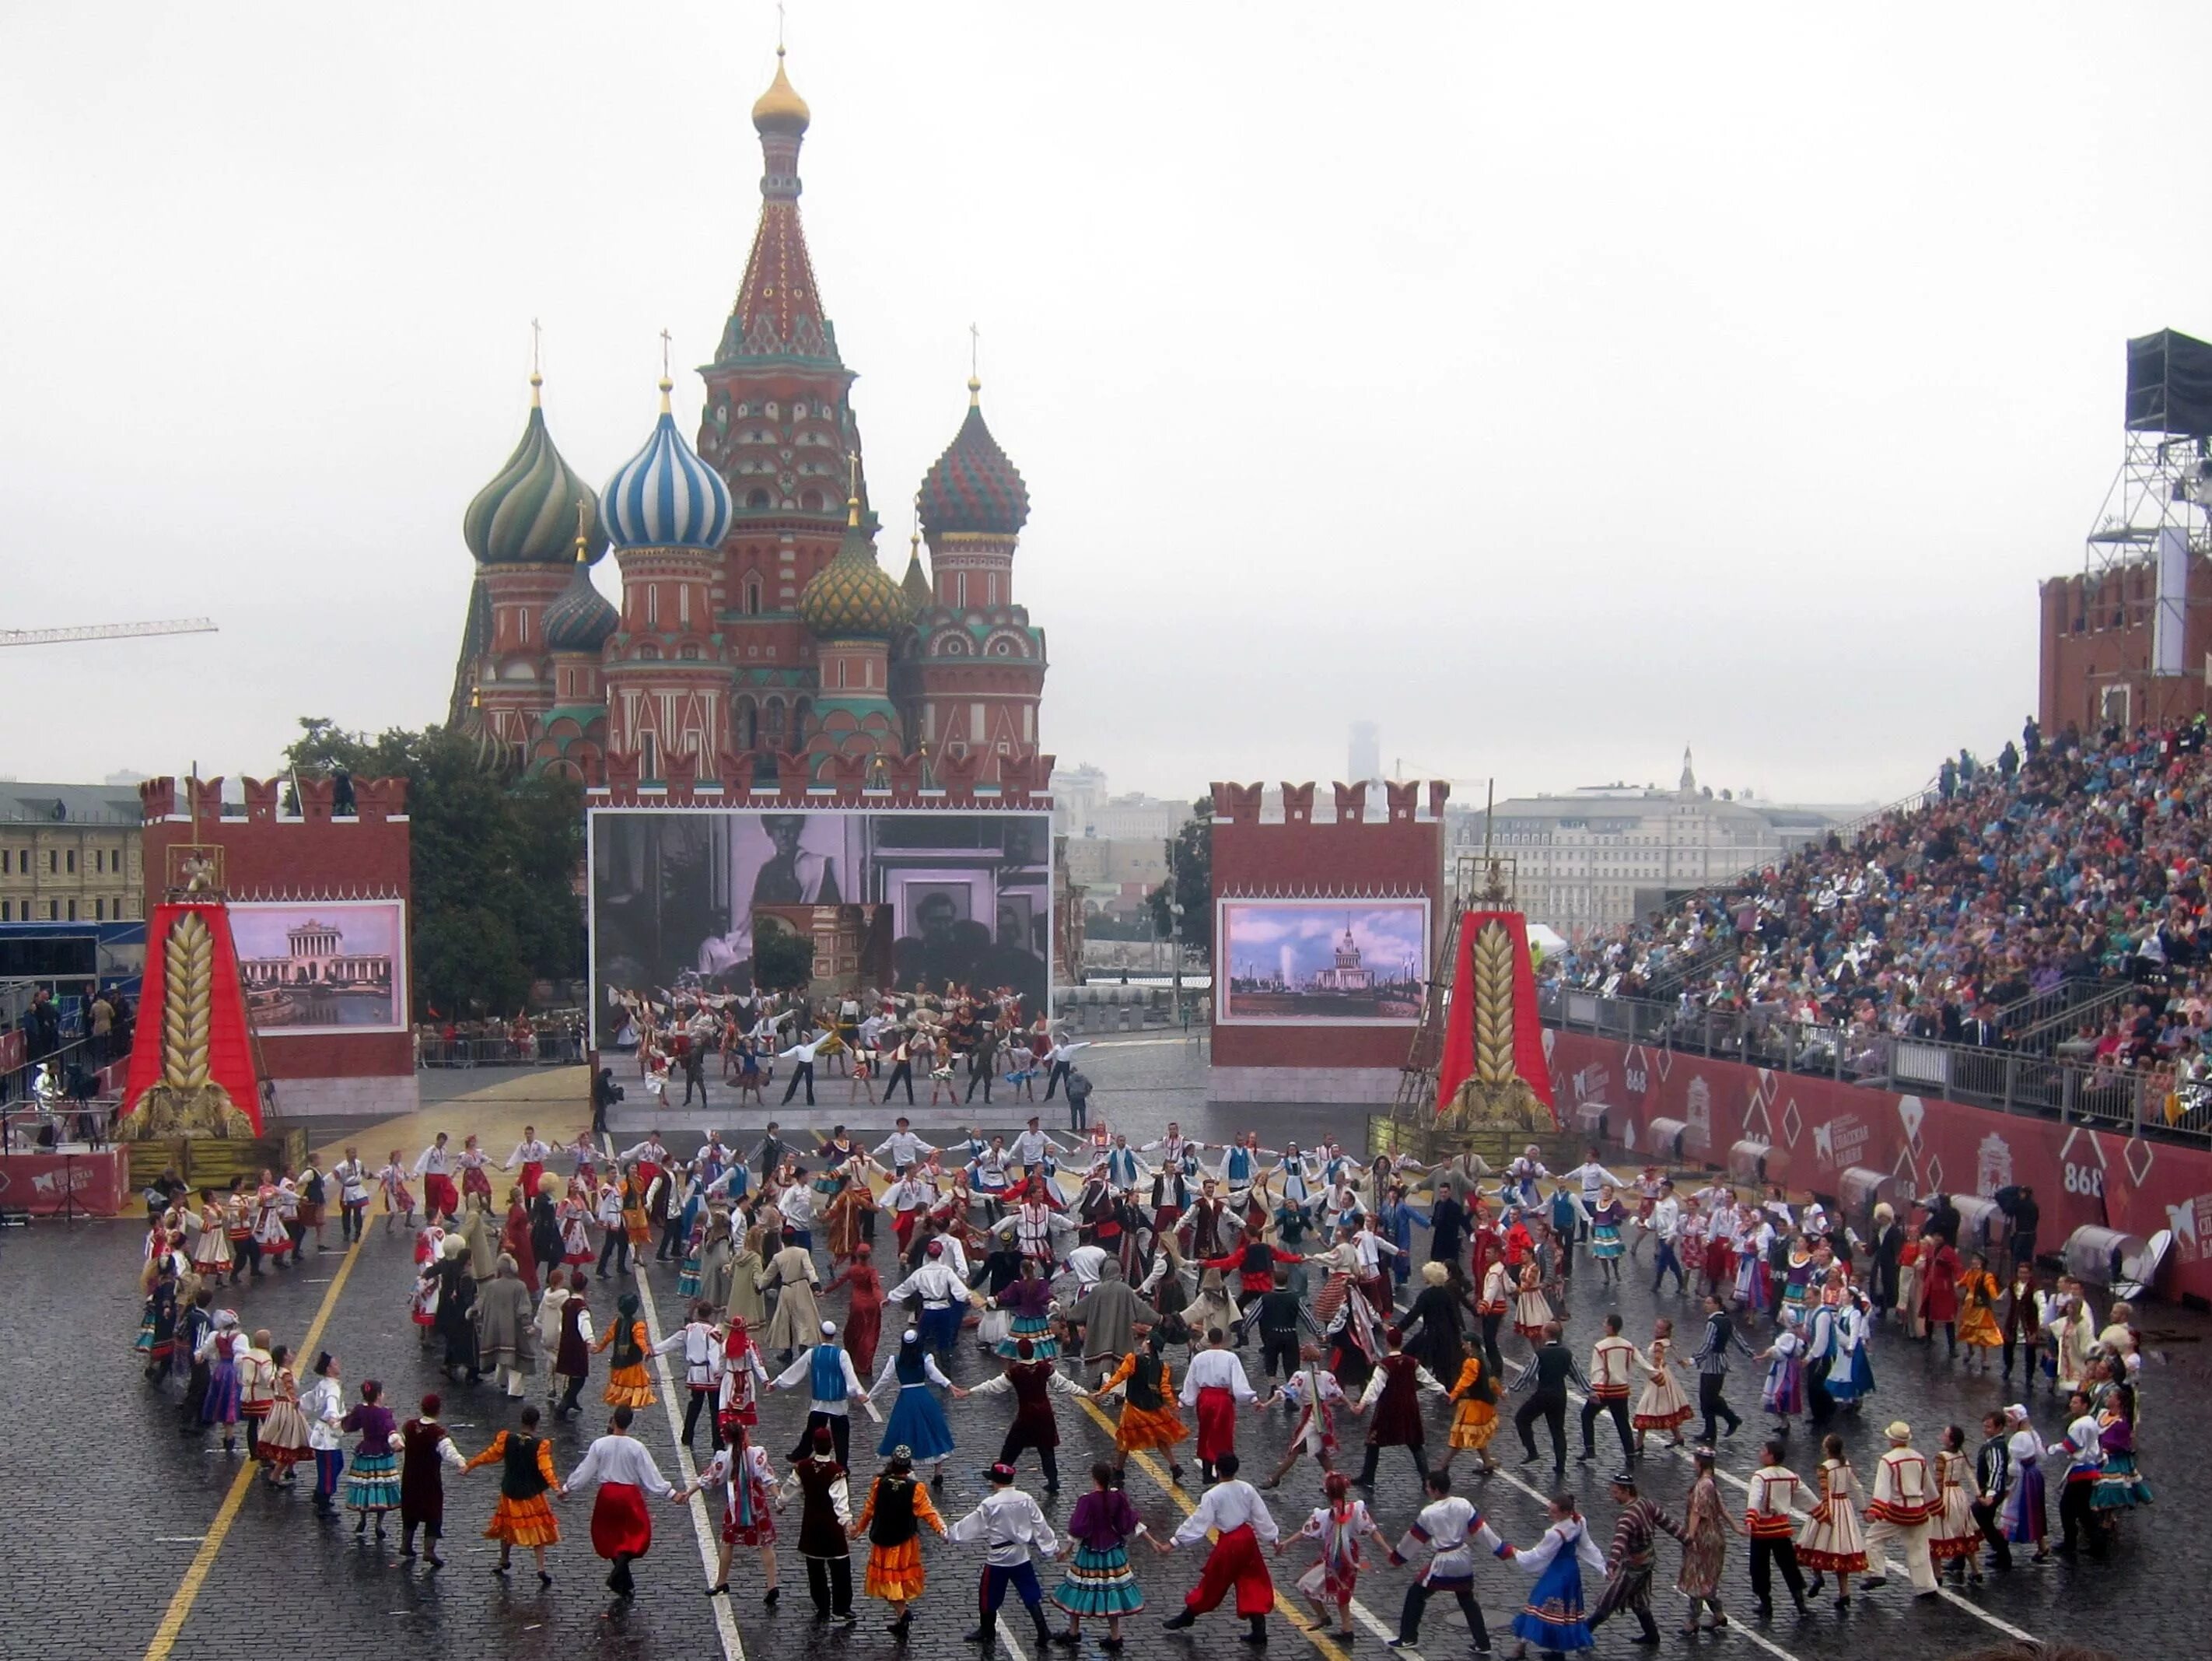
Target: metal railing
[2145, 1100]
[539, 1049]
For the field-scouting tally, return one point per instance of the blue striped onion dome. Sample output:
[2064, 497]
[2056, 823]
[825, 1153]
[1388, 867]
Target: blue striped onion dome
[664, 496]
[852, 596]
[974, 488]
[580, 617]
[527, 514]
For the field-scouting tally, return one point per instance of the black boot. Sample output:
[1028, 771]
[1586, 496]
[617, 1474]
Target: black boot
[1043, 1632]
[1258, 1632]
[985, 1632]
[1179, 1621]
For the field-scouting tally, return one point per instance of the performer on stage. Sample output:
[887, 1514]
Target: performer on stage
[425, 1450]
[1008, 1523]
[621, 1527]
[1212, 1385]
[1234, 1511]
[521, 1518]
[897, 1510]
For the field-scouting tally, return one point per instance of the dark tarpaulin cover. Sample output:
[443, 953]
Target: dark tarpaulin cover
[2170, 384]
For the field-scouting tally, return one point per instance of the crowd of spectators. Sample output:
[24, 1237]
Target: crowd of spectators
[2066, 873]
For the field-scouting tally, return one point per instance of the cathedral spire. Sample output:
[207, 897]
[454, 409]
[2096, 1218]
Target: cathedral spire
[778, 311]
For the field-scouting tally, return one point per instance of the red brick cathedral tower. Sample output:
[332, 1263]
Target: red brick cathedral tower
[754, 622]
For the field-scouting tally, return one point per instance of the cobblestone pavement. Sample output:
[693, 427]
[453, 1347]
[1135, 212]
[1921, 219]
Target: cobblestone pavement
[114, 1502]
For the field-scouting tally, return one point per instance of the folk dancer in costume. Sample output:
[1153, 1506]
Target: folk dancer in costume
[1992, 1481]
[1029, 1304]
[1553, 1617]
[1313, 1390]
[740, 1469]
[917, 1423]
[521, 1517]
[2021, 1323]
[1613, 1364]
[531, 1154]
[372, 1478]
[212, 1257]
[700, 1342]
[324, 1408]
[2083, 1449]
[1034, 1380]
[797, 1314]
[1850, 1379]
[1008, 1523]
[831, 1385]
[220, 1352]
[937, 1291]
[1394, 1393]
[2120, 1484]
[284, 1431]
[425, 1450]
[350, 1177]
[1767, 1501]
[573, 1216]
[1450, 1527]
[1149, 1417]
[1474, 1413]
[1607, 1217]
[1338, 1526]
[434, 1165]
[1629, 1565]
[1784, 1393]
[1098, 1582]
[1704, 1537]
[629, 1385]
[622, 1526]
[1213, 1386]
[257, 1389]
[572, 1348]
[1495, 1300]
[1977, 1313]
[1712, 1363]
[2026, 1519]
[741, 1379]
[1954, 1539]
[1546, 1375]
[1532, 1311]
[1233, 1513]
[1832, 1541]
[1904, 1500]
[896, 1512]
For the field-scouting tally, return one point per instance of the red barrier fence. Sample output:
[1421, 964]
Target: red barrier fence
[36, 1182]
[1856, 1144]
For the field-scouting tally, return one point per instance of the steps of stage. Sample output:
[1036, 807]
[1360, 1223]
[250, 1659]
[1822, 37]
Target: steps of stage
[633, 1118]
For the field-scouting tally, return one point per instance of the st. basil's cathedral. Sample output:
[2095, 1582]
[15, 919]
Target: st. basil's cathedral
[757, 634]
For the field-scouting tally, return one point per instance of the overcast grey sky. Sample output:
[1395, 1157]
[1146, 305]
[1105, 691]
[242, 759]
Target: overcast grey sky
[1551, 384]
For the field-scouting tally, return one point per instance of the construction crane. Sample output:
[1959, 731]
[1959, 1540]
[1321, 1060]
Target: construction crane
[105, 631]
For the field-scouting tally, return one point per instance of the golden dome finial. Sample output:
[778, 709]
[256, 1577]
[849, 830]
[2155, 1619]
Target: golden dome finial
[536, 379]
[780, 109]
[974, 366]
[583, 531]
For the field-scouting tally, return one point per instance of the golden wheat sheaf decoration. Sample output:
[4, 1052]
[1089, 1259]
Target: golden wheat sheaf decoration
[186, 1101]
[1494, 1092]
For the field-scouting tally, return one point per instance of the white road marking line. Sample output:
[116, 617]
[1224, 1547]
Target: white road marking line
[725, 1623]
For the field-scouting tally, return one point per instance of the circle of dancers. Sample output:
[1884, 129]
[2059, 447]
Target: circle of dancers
[1078, 1268]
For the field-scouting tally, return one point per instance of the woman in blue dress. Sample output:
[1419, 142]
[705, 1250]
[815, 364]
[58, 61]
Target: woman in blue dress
[916, 1422]
[1606, 1219]
[1552, 1618]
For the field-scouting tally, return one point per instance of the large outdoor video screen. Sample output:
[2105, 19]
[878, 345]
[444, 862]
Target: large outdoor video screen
[1300, 962]
[677, 897]
[323, 965]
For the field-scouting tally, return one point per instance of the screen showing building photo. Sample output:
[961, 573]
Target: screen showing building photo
[323, 966]
[678, 895]
[1304, 961]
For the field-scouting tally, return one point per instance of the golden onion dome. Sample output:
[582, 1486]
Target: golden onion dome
[780, 109]
[852, 595]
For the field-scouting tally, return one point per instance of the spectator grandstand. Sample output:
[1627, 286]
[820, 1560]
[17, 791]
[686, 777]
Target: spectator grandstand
[2033, 931]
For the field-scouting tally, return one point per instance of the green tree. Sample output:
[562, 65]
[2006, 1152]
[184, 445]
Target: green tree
[494, 862]
[783, 960]
[1190, 857]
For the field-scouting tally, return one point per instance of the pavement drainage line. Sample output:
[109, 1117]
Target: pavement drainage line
[1890, 1566]
[725, 1623]
[1320, 1639]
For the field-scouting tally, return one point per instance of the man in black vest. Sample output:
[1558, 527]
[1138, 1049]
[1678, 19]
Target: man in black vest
[1549, 1371]
[1713, 1359]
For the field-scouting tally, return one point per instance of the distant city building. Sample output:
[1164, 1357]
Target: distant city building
[1346, 975]
[70, 852]
[1366, 757]
[1076, 793]
[1599, 857]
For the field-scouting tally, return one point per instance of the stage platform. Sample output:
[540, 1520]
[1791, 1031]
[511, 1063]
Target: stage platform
[634, 1118]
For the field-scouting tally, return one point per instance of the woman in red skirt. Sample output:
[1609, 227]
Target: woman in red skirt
[621, 1527]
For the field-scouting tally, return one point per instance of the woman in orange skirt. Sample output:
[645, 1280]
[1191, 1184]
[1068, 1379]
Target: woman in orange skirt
[893, 1517]
[1150, 1418]
[1474, 1415]
[522, 1517]
[628, 1386]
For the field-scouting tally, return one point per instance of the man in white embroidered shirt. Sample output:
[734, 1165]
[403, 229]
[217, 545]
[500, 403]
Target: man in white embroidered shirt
[621, 1527]
[1009, 1522]
[1235, 1511]
[1447, 1525]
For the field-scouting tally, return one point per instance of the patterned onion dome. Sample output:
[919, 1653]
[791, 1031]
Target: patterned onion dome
[780, 109]
[915, 584]
[974, 487]
[664, 496]
[527, 514]
[580, 617]
[852, 596]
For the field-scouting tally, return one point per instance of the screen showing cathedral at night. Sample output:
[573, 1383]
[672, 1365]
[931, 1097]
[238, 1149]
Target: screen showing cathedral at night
[894, 900]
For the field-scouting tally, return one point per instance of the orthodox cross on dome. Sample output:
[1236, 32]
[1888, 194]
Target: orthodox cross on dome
[666, 341]
[852, 468]
[536, 339]
[975, 352]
